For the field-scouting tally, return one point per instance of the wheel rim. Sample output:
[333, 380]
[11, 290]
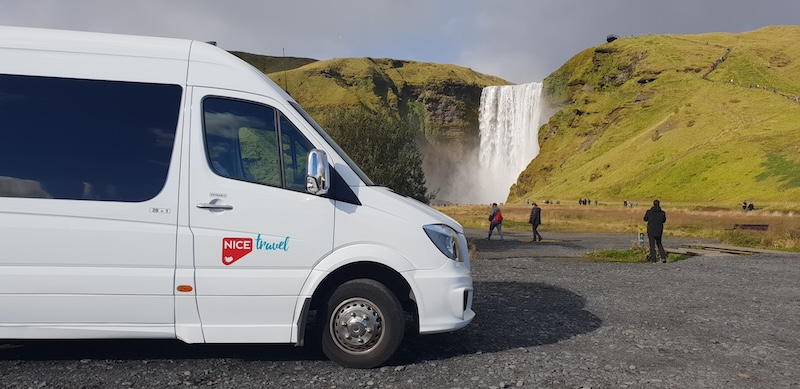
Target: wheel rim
[357, 325]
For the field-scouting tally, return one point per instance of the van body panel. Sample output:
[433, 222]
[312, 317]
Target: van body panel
[93, 56]
[85, 263]
[385, 213]
[188, 327]
[49, 310]
[437, 282]
[444, 298]
[95, 331]
[247, 319]
[207, 62]
[283, 232]
[354, 252]
[118, 261]
[155, 188]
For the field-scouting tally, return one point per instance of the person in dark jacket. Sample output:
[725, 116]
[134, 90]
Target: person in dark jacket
[535, 220]
[655, 219]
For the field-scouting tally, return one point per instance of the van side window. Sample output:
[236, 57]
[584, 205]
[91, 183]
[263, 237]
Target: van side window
[242, 143]
[295, 155]
[85, 139]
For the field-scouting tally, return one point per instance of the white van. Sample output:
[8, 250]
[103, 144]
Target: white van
[163, 188]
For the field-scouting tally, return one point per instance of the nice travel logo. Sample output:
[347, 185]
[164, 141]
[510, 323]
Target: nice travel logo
[234, 249]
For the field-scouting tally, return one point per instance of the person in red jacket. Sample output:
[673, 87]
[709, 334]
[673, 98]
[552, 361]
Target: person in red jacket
[495, 220]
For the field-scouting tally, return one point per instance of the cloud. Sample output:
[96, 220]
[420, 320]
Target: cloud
[519, 40]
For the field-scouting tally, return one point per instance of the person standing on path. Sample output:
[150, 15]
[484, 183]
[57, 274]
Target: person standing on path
[535, 220]
[495, 220]
[655, 219]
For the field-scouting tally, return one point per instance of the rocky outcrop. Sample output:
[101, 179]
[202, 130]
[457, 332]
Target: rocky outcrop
[451, 108]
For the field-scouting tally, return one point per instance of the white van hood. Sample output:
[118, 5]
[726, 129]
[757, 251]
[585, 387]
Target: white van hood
[404, 207]
[390, 227]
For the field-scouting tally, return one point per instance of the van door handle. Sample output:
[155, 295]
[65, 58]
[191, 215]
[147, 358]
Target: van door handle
[215, 207]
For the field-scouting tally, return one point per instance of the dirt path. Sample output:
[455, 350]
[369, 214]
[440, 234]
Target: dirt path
[559, 244]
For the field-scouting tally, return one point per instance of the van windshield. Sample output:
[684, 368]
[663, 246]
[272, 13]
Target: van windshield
[333, 144]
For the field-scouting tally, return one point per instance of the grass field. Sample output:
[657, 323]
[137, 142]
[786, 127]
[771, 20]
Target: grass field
[631, 255]
[687, 220]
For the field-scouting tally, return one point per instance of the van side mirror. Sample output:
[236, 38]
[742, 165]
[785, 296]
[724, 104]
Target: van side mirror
[318, 172]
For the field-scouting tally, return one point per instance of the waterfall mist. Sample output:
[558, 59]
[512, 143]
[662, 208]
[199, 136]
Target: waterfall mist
[509, 119]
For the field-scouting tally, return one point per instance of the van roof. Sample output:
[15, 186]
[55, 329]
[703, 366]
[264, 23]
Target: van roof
[91, 55]
[91, 42]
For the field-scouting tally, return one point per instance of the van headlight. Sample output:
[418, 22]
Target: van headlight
[446, 240]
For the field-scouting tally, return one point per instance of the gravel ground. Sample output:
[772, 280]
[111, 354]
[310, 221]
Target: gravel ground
[545, 318]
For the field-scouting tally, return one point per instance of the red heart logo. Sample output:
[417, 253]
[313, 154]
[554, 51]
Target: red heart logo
[234, 249]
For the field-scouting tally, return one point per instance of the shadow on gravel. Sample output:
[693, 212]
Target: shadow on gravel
[509, 315]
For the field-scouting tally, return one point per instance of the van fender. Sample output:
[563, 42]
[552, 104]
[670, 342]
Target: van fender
[364, 252]
[342, 256]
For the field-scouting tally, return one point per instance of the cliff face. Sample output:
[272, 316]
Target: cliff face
[451, 107]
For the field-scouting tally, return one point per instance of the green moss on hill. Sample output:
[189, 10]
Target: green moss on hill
[446, 96]
[642, 117]
[637, 118]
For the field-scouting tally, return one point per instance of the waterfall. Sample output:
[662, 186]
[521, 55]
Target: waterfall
[509, 130]
[483, 173]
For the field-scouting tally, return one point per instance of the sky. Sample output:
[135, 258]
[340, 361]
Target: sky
[518, 40]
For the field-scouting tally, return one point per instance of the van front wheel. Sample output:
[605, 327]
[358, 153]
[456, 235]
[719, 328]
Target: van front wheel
[364, 325]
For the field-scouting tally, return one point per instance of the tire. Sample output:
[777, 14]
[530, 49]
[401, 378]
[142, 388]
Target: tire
[363, 326]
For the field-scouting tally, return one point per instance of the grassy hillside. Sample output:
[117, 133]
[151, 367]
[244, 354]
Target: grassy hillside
[642, 117]
[441, 100]
[447, 96]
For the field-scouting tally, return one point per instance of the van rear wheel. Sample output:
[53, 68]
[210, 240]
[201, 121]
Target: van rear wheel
[364, 324]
